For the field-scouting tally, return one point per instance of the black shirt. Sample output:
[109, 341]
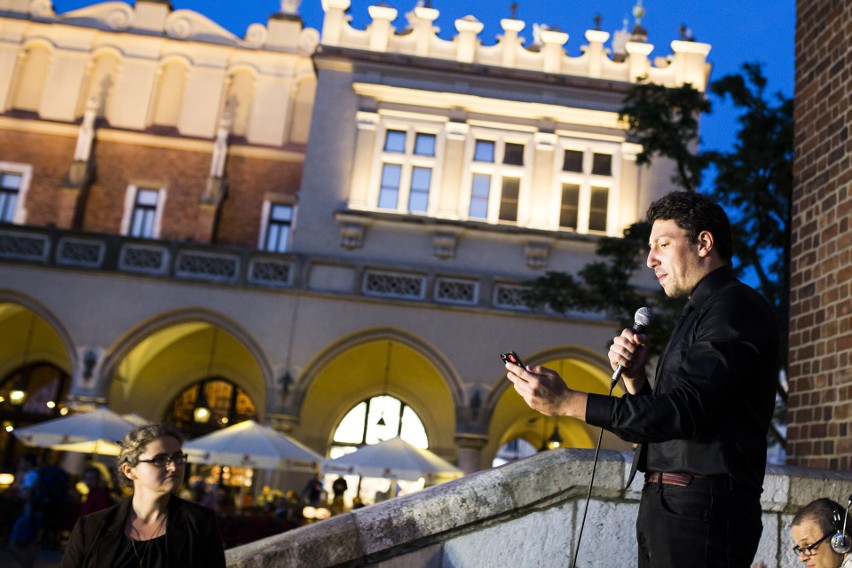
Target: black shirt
[142, 553]
[714, 391]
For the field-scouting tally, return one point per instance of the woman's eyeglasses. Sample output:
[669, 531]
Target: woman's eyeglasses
[811, 549]
[163, 461]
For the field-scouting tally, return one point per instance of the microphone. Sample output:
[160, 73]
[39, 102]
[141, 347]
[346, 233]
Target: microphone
[641, 320]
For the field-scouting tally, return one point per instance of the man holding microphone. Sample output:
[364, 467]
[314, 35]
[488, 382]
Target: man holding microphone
[701, 424]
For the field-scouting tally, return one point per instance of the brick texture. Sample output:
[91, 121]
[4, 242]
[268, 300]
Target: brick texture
[821, 269]
[182, 173]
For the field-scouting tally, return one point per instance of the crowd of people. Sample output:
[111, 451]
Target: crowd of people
[146, 491]
[145, 513]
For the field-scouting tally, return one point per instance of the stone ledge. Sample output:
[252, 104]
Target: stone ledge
[527, 511]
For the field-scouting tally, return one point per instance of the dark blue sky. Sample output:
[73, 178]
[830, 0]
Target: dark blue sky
[739, 31]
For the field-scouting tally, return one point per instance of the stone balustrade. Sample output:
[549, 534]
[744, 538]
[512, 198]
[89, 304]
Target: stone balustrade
[420, 39]
[524, 513]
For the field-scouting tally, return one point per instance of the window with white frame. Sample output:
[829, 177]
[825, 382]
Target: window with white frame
[585, 183]
[407, 168]
[10, 186]
[14, 182]
[143, 212]
[278, 224]
[497, 172]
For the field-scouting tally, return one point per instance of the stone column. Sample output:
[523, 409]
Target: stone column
[380, 29]
[468, 28]
[365, 142]
[470, 451]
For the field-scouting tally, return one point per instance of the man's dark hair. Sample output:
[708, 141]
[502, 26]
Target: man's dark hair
[695, 212]
[822, 513]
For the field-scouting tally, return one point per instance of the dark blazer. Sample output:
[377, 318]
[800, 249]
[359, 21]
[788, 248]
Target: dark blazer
[192, 537]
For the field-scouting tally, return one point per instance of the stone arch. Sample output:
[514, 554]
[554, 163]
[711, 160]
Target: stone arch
[238, 99]
[30, 75]
[167, 102]
[417, 374]
[301, 103]
[193, 327]
[101, 73]
[64, 343]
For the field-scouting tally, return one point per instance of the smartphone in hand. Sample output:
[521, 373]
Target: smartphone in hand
[512, 357]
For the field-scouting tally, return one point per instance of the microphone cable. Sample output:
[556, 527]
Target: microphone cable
[592, 480]
[641, 320]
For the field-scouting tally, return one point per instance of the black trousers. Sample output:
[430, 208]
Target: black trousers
[710, 523]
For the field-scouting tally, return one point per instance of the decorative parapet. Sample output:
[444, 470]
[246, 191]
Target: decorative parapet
[420, 38]
[284, 31]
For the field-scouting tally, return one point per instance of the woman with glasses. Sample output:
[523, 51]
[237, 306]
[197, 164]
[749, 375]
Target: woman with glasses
[154, 527]
[820, 535]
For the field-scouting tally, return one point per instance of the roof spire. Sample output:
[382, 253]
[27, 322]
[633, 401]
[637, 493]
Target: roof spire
[639, 33]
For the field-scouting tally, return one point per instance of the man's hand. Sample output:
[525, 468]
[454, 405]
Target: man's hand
[630, 351]
[544, 391]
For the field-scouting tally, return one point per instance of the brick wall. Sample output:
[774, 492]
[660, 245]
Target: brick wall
[182, 173]
[53, 154]
[821, 272]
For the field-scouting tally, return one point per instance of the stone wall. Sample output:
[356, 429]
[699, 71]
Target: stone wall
[522, 514]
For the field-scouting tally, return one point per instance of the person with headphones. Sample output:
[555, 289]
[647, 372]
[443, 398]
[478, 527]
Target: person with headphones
[820, 533]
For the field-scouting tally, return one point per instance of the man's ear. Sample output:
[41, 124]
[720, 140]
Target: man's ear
[706, 242]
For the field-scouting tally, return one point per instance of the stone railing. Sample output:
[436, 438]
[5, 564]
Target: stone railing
[525, 513]
[687, 65]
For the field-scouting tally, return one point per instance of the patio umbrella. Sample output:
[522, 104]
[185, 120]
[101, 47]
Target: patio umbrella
[392, 459]
[94, 432]
[134, 418]
[249, 444]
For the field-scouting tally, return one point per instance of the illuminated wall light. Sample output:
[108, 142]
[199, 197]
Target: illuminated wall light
[6, 479]
[8, 426]
[63, 411]
[51, 404]
[17, 397]
[2, 399]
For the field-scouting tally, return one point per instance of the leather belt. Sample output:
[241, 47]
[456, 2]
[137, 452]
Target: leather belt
[669, 478]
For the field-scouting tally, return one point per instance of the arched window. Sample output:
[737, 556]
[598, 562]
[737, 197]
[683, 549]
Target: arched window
[227, 404]
[377, 419]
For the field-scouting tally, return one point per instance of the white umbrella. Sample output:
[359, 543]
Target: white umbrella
[392, 459]
[94, 432]
[134, 418]
[249, 444]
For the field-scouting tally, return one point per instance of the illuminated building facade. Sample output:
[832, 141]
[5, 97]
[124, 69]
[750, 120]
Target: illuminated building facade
[298, 221]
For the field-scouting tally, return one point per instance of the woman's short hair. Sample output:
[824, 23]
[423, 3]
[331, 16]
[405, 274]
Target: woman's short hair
[822, 513]
[136, 441]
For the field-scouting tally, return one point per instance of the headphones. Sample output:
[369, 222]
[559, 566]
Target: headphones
[841, 543]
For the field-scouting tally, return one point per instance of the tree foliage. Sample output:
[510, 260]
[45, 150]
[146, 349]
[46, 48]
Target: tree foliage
[754, 182]
[664, 121]
[606, 286]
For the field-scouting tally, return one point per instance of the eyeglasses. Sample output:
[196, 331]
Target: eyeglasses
[810, 549]
[163, 461]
